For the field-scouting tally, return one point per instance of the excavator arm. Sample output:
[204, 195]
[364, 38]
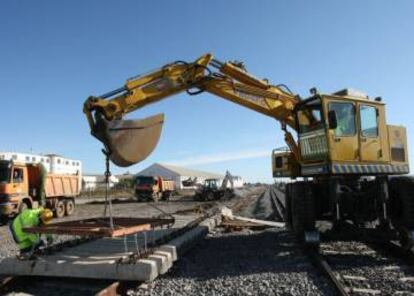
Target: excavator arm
[230, 80]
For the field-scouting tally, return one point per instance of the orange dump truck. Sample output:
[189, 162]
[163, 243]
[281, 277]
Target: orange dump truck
[153, 188]
[24, 185]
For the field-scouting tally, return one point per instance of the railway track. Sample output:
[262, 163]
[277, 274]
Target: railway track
[277, 200]
[366, 267]
[59, 286]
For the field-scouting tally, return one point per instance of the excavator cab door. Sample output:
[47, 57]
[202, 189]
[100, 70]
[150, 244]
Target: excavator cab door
[342, 134]
[369, 138]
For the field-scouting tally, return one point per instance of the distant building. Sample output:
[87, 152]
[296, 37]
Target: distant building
[93, 182]
[178, 174]
[53, 163]
[126, 176]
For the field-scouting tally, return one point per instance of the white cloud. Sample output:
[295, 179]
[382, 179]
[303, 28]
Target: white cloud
[219, 157]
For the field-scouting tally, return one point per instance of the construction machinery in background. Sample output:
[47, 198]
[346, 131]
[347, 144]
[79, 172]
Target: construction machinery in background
[209, 191]
[190, 182]
[153, 188]
[29, 185]
[343, 154]
[212, 190]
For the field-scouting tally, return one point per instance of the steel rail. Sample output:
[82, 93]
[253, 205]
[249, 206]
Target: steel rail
[393, 249]
[320, 262]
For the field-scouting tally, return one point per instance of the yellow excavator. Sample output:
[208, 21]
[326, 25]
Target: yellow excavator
[346, 163]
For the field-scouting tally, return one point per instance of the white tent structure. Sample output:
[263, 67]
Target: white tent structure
[178, 174]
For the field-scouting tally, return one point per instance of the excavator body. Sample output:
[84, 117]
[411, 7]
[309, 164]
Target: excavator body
[346, 163]
[351, 162]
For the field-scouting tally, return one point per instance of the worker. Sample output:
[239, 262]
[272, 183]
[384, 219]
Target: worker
[30, 242]
[17, 176]
[345, 118]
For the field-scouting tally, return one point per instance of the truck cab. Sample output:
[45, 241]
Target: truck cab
[14, 188]
[153, 188]
[28, 185]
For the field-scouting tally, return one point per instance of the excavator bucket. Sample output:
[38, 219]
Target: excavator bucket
[129, 141]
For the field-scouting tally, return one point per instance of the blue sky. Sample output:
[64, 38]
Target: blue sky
[54, 54]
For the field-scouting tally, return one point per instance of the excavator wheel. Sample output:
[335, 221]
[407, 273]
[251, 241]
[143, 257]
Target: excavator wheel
[287, 214]
[209, 196]
[402, 207]
[303, 210]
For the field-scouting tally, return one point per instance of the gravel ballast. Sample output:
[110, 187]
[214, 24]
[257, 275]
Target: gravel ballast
[371, 269]
[241, 263]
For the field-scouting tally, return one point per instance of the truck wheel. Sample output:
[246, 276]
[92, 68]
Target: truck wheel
[141, 197]
[303, 209]
[156, 197]
[3, 220]
[210, 196]
[69, 207]
[166, 195]
[59, 209]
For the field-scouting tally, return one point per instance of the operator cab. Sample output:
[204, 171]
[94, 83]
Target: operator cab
[346, 133]
[211, 183]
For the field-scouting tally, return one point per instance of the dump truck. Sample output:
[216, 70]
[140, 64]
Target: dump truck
[346, 162]
[153, 188]
[29, 185]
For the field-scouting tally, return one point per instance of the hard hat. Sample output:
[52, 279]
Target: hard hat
[46, 216]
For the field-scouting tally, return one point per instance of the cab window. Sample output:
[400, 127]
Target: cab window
[310, 116]
[17, 175]
[345, 118]
[369, 124]
[279, 162]
[4, 174]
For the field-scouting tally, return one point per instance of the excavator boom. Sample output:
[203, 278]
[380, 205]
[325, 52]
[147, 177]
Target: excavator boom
[132, 141]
